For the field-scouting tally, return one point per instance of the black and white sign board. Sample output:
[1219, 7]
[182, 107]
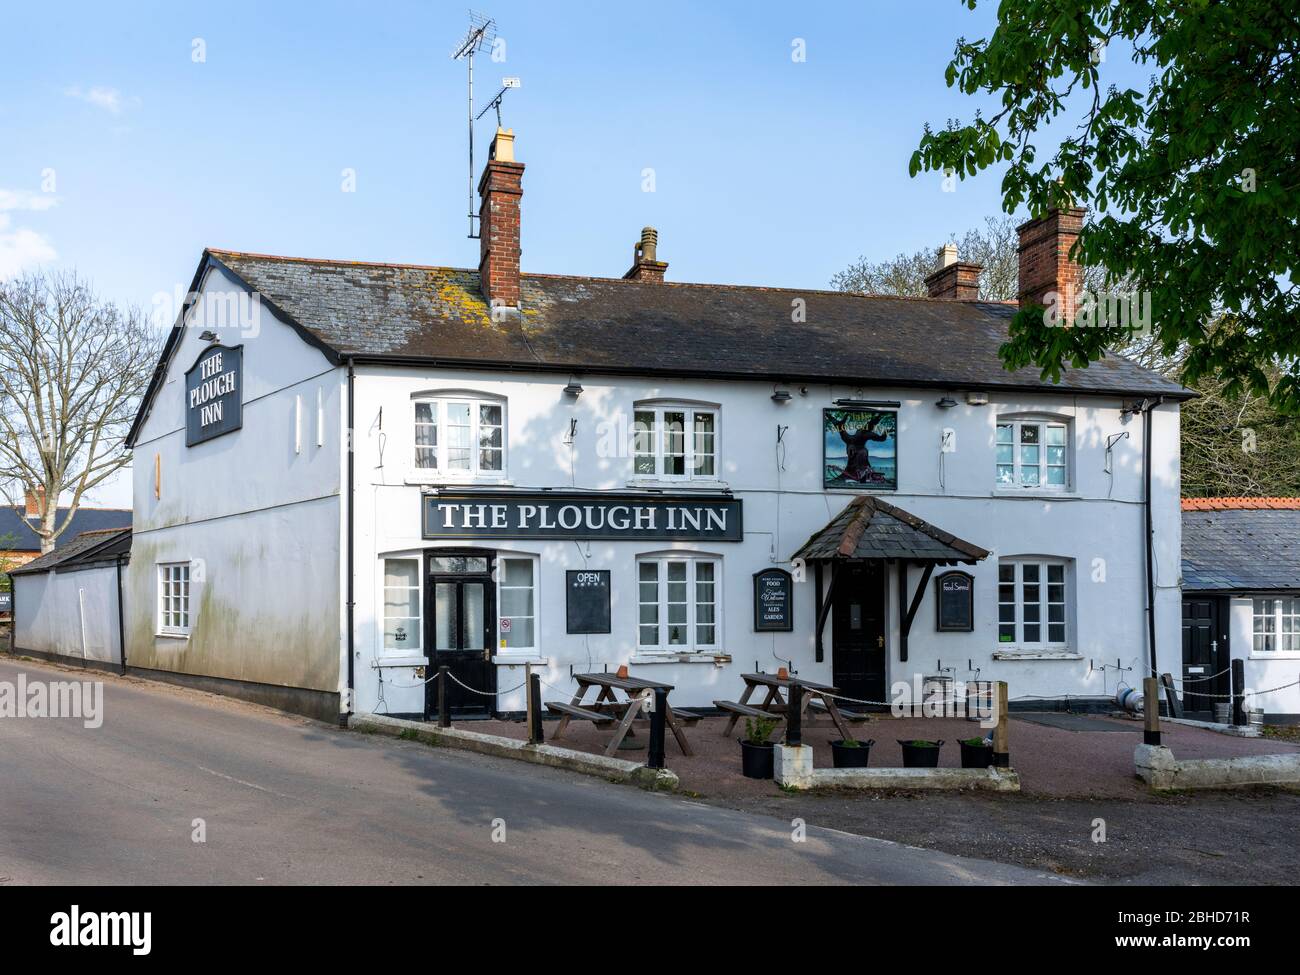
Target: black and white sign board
[214, 394]
[773, 601]
[586, 596]
[956, 602]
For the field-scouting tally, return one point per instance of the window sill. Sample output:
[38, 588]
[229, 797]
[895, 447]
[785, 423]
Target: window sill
[172, 636]
[1036, 655]
[1274, 655]
[443, 480]
[519, 659]
[1036, 493]
[396, 661]
[702, 484]
[718, 659]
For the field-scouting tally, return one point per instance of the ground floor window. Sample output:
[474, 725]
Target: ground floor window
[678, 603]
[517, 603]
[1031, 603]
[403, 609]
[174, 598]
[1276, 625]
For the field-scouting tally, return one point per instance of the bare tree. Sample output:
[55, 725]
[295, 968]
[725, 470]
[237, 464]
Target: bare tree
[72, 371]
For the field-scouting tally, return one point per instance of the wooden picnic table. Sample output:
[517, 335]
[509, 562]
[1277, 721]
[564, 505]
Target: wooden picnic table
[774, 704]
[607, 701]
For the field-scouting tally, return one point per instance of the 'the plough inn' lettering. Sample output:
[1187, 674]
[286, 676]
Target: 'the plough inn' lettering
[611, 517]
[213, 384]
[212, 394]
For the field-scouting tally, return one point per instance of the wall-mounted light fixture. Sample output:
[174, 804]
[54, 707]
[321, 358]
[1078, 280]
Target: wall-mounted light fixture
[208, 336]
[977, 397]
[781, 396]
[947, 403]
[574, 389]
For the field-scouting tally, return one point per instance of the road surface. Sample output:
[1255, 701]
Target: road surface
[285, 800]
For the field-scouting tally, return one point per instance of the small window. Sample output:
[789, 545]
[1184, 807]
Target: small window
[1276, 626]
[517, 604]
[460, 437]
[174, 599]
[1031, 604]
[678, 604]
[403, 600]
[1031, 454]
[675, 442]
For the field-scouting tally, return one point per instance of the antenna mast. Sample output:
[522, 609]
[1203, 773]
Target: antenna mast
[482, 32]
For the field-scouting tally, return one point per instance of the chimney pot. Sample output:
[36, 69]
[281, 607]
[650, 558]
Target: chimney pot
[954, 280]
[646, 265]
[947, 255]
[500, 190]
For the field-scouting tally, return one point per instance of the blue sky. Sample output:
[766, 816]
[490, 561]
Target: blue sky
[766, 170]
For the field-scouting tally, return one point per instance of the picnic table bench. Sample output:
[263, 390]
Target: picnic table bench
[607, 708]
[774, 705]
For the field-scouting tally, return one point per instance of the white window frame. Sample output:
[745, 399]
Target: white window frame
[692, 561]
[1044, 424]
[659, 434]
[1283, 625]
[440, 402]
[176, 619]
[1044, 604]
[535, 566]
[418, 649]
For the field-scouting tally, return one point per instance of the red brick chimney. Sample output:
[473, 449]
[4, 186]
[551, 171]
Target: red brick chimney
[645, 263]
[955, 280]
[498, 222]
[35, 502]
[1047, 275]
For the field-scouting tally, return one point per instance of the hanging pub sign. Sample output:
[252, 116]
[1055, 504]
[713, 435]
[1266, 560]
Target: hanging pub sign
[213, 394]
[956, 592]
[577, 515]
[773, 601]
[860, 448]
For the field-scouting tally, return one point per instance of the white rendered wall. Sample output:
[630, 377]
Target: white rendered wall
[73, 614]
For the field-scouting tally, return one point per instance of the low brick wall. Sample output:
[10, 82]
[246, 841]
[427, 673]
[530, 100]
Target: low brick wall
[1158, 768]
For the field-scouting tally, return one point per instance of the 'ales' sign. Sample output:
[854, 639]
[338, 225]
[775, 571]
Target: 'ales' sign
[213, 397]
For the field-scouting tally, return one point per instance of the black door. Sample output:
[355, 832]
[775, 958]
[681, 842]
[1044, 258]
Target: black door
[858, 630]
[1205, 656]
[461, 597]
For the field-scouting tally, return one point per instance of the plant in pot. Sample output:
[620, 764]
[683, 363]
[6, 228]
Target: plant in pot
[920, 752]
[976, 752]
[757, 755]
[851, 753]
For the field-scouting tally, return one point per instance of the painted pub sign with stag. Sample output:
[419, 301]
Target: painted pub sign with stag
[860, 448]
[213, 394]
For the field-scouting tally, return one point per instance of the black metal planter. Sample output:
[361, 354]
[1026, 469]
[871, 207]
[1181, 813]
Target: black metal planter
[976, 756]
[757, 761]
[920, 756]
[851, 756]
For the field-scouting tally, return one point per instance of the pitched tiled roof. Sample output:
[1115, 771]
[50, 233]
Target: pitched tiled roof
[438, 315]
[1238, 504]
[1241, 549]
[84, 549]
[869, 528]
[16, 533]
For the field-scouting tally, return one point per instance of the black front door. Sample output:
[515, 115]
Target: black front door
[858, 630]
[460, 596]
[1205, 656]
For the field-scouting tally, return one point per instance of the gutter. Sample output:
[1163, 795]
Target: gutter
[351, 604]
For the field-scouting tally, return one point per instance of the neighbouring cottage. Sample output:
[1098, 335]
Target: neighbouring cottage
[1241, 601]
[350, 474]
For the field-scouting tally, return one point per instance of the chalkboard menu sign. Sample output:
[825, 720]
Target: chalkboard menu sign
[956, 601]
[773, 601]
[587, 600]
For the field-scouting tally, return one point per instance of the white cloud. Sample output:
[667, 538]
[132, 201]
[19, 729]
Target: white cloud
[21, 249]
[26, 200]
[109, 99]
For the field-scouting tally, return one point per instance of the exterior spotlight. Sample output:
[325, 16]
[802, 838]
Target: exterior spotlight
[947, 403]
[781, 396]
[574, 389]
[208, 336]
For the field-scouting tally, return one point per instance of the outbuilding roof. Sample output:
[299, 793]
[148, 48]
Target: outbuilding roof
[411, 312]
[1242, 549]
[88, 548]
[16, 533]
[870, 528]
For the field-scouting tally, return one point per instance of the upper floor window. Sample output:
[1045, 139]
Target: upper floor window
[1276, 625]
[1032, 454]
[174, 599]
[675, 442]
[460, 436]
[1031, 603]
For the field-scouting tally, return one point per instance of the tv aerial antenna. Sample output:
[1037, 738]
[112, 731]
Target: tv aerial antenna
[506, 85]
[482, 32]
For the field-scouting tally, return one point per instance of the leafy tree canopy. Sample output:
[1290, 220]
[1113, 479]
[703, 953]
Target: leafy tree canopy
[1194, 183]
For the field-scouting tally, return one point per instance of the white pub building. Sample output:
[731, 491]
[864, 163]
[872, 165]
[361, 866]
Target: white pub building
[348, 475]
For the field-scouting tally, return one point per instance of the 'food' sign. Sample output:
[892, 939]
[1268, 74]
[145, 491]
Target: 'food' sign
[213, 394]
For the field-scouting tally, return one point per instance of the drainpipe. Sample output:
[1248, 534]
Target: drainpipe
[121, 627]
[343, 716]
[1147, 407]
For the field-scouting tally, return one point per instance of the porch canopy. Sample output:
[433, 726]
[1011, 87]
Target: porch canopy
[869, 529]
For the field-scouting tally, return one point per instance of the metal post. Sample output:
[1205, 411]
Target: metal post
[528, 701]
[794, 717]
[444, 716]
[1151, 711]
[1002, 731]
[535, 706]
[658, 719]
[1239, 692]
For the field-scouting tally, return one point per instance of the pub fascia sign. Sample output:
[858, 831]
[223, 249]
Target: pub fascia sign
[569, 515]
[213, 394]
